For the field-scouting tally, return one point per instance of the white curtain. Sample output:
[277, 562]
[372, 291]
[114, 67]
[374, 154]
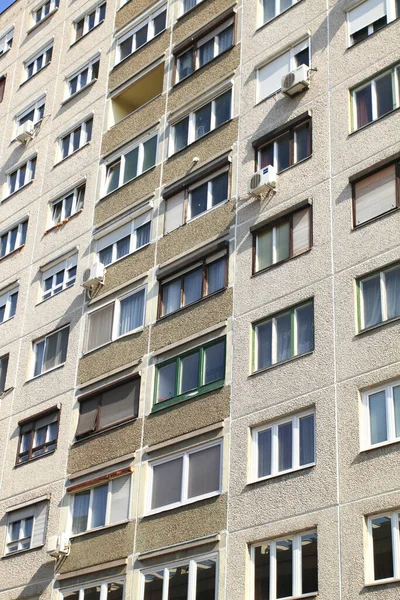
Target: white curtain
[305, 328]
[171, 296]
[80, 512]
[131, 312]
[206, 52]
[100, 327]
[192, 286]
[225, 39]
[123, 247]
[371, 295]
[216, 275]
[392, 279]
[55, 349]
[284, 337]
[99, 506]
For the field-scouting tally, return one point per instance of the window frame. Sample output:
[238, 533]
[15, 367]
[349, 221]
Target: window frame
[354, 182]
[36, 108]
[4, 361]
[185, 12]
[200, 389]
[53, 5]
[293, 331]
[395, 534]
[30, 173]
[46, 54]
[22, 522]
[132, 242]
[96, 10]
[78, 74]
[103, 584]
[382, 295]
[262, 20]
[390, 14]
[184, 454]
[202, 263]
[6, 37]
[64, 265]
[7, 305]
[35, 344]
[32, 421]
[387, 388]
[274, 141]
[83, 141]
[75, 204]
[20, 231]
[272, 226]
[149, 21]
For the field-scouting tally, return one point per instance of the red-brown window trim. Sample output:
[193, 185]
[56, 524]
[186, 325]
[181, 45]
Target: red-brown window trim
[89, 483]
[279, 132]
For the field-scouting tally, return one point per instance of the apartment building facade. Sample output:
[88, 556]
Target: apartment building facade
[216, 414]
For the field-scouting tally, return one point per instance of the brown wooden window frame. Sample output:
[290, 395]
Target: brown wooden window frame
[283, 133]
[29, 426]
[287, 218]
[203, 264]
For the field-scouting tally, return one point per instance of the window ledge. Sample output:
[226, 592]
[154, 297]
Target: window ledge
[86, 34]
[55, 295]
[64, 222]
[5, 52]
[36, 25]
[260, 27]
[34, 458]
[126, 183]
[89, 436]
[120, 337]
[18, 552]
[380, 445]
[377, 326]
[72, 154]
[45, 373]
[34, 75]
[212, 61]
[278, 264]
[203, 137]
[188, 396]
[180, 310]
[373, 122]
[85, 87]
[381, 582]
[377, 218]
[97, 529]
[281, 474]
[283, 362]
[163, 509]
[13, 252]
[7, 320]
[138, 50]
[18, 190]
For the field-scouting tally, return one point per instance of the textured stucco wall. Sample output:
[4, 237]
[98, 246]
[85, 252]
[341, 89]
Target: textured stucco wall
[130, 11]
[128, 268]
[205, 11]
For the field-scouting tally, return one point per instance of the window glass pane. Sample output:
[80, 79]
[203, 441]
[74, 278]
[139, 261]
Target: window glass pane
[219, 188]
[131, 164]
[102, 12]
[309, 563]
[396, 400]
[223, 108]
[202, 121]
[363, 103]
[159, 22]
[150, 151]
[100, 327]
[225, 39]
[80, 512]
[384, 94]
[68, 206]
[283, 152]
[89, 128]
[113, 176]
[204, 471]
[214, 363]
[284, 337]
[305, 328]
[206, 579]
[282, 241]
[185, 64]
[377, 417]
[141, 36]
[131, 312]
[39, 352]
[189, 373]
[216, 276]
[302, 142]
[302, 57]
[125, 48]
[307, 451]
[285, 446]
[268, 10]
[264, 448]
[171, 295]
[264, 249]
[166, 382]
[181, 134]
[264, 345]
[99, 505]
[188, 4]
[198, 200]
[65, 146]
[261, 567]
[284, 568]
[76, 136]
[13, 239]
[55, 349]
[192, 286]
[382, 547]
[178, 582]
[143, 235]
[84, 76]
[392, 281]
[167, 481]
[153, 585]
[105, 256]
[123, 247]
[206, 52]
[371, 296]
[266, 156]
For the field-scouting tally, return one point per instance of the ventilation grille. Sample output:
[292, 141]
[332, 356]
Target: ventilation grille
[288, 80]
[86, 275]
[255, 181]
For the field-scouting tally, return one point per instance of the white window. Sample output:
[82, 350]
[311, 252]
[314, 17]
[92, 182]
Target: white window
[131, 164]
[368, 17]
[69, 204]
[120, 317]
[89, 21]
[376, 98]
[272, 8]
[38, 62]
[187, 579]
[6, 40]
[26, 527]
[80, 79]
[379, 297]
[102, 505]
[185, 477]
[269, 76]
[284, 446]
[383, 548]
[3, 372]
[286, 567]
[45, 9]
[200, 122]
[59, 277]
[50, 352]
[75, 139]
[124, 240]
[21, 176]
[109, 590]
[142, 34]
[8, 304]
[189, 4]
[381, 408]
[33, 113]
[13, 238]
[376, 195]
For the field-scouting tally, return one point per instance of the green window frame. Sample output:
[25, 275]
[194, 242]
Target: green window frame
[282, 343]
[177, 365]
[383, 283]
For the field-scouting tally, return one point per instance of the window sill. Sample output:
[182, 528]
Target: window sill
[95, 434]
[381, 582]
[377, 326]
[125, 184]
[380, 445]
[180, 310]
[16, 191]
[72, 154]
[11, 253]
[278, 264]
[188, 396]
[158, 511]
[283, 362]
[85, 87]
[45, 372]
[373, 34]
[211, 62]
[136, 51]
[86, 34]
[34, 75]
[5, 52]
[377, 218]
[199, 140]
[281, 474]
[260, 27]
[97, 529]
[373, 122]
[61, 223]
[121, 337]
[7, 320]
[18, 552]
[27, 462]
[36, 25]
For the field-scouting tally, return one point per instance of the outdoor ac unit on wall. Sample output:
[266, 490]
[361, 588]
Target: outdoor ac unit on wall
[93, 275]
[263, 181]
[25, 131]
[296, 81]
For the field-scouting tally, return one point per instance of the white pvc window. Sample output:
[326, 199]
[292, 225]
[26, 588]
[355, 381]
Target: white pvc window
[269, 76]
[21, 176]
[89, 21]
[8, 304]
[101, 505]
[284, 446]
[124, 240]
[45, 9]
[6, 40]
[36, 64]
[63, 208]
[379, 297]
[186, 580]
[26, 527]
[109, 590]
[33, 113]
[202, 121]
[272, 8]
[50, 352]
[185, 477]
[143, 33]
[131, 164]
[375, 99]
[59, 277]
[381, 410]
[13, 238]
[79, 80]
[383, 563]
[368, 17]
[75, 139]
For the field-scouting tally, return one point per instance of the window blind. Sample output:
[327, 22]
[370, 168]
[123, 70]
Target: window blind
[119, 403]
[174, 212]
[366, 13]
[301, 230]
[375, 195]
[87, 416]
[100, 324]
[120, 489]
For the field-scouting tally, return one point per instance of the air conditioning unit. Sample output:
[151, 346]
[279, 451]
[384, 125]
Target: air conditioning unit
[93, 275]
[263, 180]
[25, 131]
[296, 81]
[58, 545]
